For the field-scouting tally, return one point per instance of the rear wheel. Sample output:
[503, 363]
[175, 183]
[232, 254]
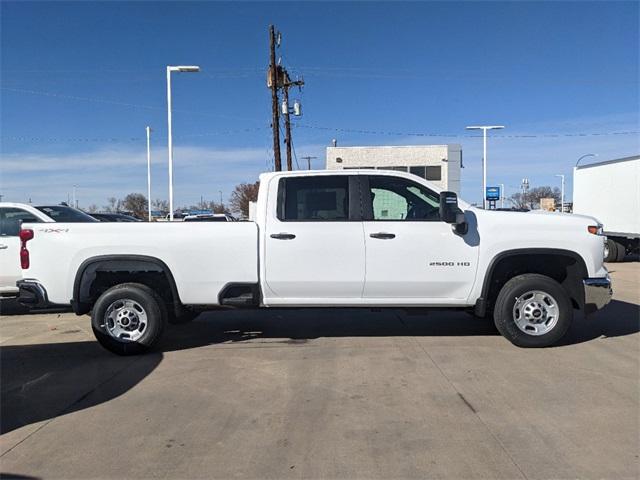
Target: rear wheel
[533, 310]
[128, 319]
[621, 251]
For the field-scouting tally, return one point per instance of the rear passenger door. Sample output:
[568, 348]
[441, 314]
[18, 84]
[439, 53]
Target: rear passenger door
[314, 241]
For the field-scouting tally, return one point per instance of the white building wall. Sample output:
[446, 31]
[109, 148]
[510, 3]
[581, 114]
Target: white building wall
[447, 157]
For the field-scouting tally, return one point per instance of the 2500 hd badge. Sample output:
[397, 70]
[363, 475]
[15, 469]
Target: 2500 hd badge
[449, 264]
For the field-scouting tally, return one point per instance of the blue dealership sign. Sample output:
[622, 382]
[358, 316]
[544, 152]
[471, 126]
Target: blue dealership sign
[493, 193]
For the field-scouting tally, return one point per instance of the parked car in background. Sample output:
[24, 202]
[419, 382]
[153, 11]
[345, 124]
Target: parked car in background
[114, 217]
[12, 215]
[210, 217]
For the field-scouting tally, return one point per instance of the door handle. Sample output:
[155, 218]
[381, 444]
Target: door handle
[383, 235]
[283, 236]
[4, 247]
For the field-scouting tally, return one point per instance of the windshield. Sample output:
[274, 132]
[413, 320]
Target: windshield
[60, 213]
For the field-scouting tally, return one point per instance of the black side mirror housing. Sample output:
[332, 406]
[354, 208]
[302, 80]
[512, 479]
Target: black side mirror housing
[448, 207]
[451, 213]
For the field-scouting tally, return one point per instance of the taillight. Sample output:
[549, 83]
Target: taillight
[595, 229]
[25, 236]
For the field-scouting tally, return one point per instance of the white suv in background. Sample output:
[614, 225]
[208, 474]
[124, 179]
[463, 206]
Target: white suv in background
[12, 215]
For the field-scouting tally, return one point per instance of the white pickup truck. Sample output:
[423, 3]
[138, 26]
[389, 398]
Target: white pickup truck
[358, 238]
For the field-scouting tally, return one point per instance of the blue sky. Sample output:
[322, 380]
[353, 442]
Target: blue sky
[80, 81]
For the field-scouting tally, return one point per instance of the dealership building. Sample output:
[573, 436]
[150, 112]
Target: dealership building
[440, 164]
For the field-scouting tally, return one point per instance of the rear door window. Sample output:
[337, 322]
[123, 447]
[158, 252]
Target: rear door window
[316, 198]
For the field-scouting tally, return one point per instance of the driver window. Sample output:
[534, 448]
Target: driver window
[399, 199]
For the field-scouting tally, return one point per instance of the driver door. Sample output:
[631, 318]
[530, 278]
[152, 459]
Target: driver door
[410, 253]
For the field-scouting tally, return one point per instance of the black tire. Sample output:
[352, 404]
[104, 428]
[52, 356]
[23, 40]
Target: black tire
[152, 307]
[621, 251]
[611, 251]
[504, 313]
[185, 317]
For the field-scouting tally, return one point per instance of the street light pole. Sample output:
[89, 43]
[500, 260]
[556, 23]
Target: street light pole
[562, 194]
[484, 129]
[191, 68]
[75, 202]
[149, 171]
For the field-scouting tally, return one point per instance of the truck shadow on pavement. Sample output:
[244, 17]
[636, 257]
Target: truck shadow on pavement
[299, 326]
[43, 381]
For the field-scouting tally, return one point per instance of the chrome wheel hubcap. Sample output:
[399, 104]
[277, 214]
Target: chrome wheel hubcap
[536, 312]
[125, 320]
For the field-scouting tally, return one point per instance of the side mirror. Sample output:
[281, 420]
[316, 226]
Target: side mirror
[448, 207]
[451, 213]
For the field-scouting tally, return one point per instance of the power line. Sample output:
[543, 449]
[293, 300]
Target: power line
[117, 103]
[38, 139]
[454, 135]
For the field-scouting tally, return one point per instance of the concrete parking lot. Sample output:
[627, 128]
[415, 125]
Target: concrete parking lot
[335, 393]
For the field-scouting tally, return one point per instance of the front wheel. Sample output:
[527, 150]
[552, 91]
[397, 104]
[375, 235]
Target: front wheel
[533, 311]
[128, 319]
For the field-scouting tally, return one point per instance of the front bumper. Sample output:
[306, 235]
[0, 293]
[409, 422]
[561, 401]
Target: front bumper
[597, 293]
[32, 294]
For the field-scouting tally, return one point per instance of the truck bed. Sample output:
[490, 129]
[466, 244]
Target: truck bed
[190, 250]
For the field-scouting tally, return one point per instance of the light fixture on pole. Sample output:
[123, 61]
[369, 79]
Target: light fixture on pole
[149, 171]
[484, 129]
[585, 156]
[188, 68]
[562, 194]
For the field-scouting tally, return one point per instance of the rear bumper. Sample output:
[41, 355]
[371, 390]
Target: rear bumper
[32, 294]
[597, 293]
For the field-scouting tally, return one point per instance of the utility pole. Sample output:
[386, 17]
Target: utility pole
[285, 110]
[287, 124]
[308, 159]
[273, 84]
[502, 195]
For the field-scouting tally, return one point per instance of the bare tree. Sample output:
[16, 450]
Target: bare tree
[113, 205]
[531, 199]
[161, 205]
[93, 208]
[217, 207]
[136, 203]
[241, 196]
